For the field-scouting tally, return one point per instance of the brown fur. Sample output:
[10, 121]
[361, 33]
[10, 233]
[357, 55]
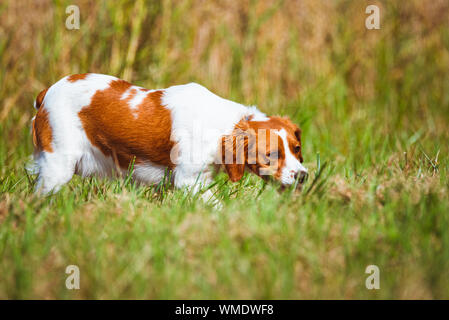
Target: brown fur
[76, 77]
[237, 140]
[40, 98]
[293, 132]
[246, 131]
[111, 126]
[42, 134]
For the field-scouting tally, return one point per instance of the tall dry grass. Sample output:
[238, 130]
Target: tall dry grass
[298, 57]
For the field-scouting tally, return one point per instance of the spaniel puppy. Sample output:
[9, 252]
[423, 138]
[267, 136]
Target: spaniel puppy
[93, 124]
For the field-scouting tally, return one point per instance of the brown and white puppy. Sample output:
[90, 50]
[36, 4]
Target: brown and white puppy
[97, 124]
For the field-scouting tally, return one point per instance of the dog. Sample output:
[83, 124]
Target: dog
[94, 124]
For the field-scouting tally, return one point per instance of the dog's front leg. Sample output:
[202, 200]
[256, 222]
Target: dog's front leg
[194, 179]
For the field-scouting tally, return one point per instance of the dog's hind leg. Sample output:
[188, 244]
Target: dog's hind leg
[54, 170]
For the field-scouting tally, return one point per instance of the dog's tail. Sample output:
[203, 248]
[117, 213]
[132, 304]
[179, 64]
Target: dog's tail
[31, 165]
[40, 99]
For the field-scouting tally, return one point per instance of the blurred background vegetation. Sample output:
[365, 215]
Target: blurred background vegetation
[373, 103]
[314, 60]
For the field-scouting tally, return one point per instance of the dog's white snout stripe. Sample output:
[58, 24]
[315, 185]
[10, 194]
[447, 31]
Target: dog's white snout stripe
[292, 165]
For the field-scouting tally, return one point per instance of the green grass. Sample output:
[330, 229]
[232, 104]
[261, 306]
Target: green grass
[374, 110]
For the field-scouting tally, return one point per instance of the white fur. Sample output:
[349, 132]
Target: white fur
[199, 120]
[71, 148]
[292, 165]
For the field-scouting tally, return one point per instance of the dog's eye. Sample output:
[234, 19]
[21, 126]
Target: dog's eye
[274, 155]
[297, 149]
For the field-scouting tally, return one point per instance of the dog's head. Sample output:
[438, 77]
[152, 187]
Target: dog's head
[270, 147]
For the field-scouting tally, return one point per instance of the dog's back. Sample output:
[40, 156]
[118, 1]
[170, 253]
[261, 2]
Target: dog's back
[95, 124]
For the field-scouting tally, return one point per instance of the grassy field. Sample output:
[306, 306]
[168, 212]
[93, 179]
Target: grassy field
[374, 109]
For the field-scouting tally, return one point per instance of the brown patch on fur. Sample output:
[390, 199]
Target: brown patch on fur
[42, 134]
[238, 141]
[247, 139]
[293, 132]
[112, 126]
[76, 77]
[40, 98]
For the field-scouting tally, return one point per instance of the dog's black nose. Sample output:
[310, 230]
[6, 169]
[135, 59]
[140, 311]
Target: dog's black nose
[302, 176]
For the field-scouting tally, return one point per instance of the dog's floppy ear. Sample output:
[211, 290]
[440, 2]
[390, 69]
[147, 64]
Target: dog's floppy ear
[235, 171]
[235, 150]
[298, 133]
